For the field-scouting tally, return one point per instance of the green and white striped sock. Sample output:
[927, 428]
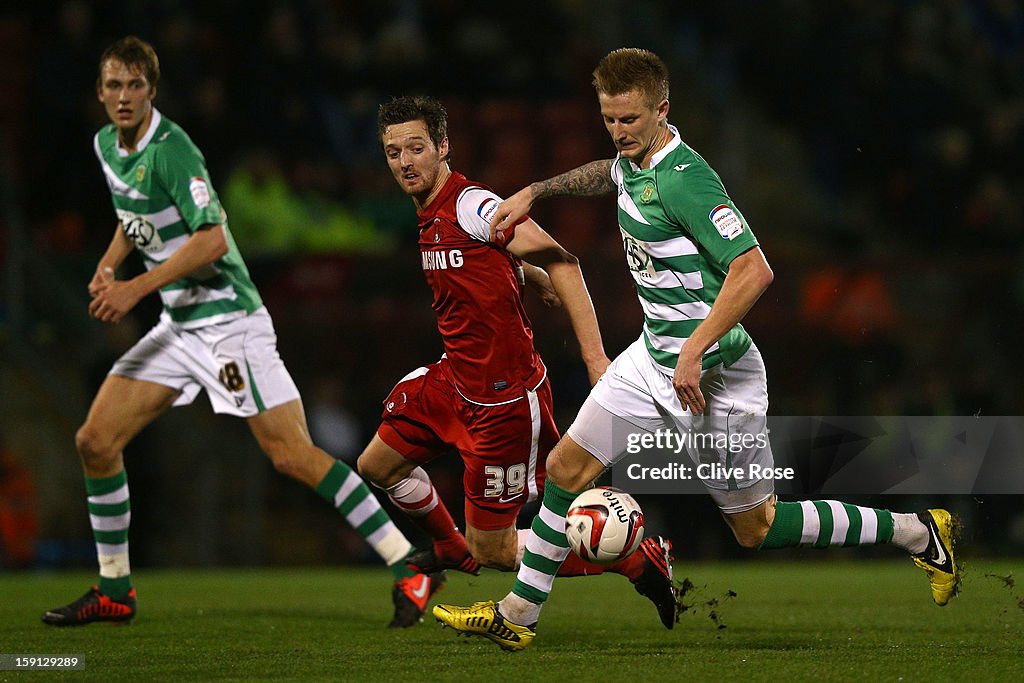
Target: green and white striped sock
[346, 491]
[110, 513]
[823, 523]
[546, 549]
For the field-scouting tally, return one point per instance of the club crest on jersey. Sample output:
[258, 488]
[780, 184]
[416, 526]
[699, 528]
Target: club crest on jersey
[647, 194]
[391, 405]
[726, 221]
[141, 232]
[140, 173]
[200, 192]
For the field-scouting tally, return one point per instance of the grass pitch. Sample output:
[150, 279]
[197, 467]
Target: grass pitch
[819, 619]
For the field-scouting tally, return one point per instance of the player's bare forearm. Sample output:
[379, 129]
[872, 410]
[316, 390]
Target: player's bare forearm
[533, 244]
[113, 299]
[117, 251]
[567, 280]
[588, 180]
[205, 246]
[538, 280]
[748, 277]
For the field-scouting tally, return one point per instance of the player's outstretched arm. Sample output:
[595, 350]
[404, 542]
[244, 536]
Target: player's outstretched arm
[588, 180]
[531, 243]
[115, 298]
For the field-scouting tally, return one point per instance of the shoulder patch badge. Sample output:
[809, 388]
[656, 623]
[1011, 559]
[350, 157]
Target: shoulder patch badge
[200, 192]
[726, 221]
[487, 208]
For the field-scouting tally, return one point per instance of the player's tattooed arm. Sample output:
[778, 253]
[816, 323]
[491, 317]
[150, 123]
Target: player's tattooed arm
[588, 180]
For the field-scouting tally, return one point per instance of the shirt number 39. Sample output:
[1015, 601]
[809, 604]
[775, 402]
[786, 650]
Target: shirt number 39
[505, 483]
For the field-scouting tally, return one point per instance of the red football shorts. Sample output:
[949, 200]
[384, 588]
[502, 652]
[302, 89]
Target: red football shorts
[503, 446]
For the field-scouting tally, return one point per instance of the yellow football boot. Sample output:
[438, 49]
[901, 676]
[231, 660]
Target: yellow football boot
[937, 559]
[484, 619]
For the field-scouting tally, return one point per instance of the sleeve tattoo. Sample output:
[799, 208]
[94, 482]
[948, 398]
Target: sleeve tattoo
[588, 180]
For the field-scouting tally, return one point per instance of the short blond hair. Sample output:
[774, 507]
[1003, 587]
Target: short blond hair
[632, 69]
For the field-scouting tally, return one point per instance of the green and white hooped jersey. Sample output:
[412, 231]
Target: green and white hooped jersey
[162, 194]
[680, 231]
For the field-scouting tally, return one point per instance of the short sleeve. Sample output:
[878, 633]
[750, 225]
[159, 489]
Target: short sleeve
[181, 170]
[474, 208]
[710, 216]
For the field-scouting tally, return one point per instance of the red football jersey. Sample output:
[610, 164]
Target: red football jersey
[477, 297]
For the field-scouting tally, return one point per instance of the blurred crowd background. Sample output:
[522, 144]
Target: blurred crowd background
[875, 148]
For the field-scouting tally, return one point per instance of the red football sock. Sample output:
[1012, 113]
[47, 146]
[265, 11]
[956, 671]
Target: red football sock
[416, 497]
[574, 565]
[631, 567]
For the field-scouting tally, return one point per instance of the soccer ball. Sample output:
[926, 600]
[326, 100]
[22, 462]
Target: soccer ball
[604, 525]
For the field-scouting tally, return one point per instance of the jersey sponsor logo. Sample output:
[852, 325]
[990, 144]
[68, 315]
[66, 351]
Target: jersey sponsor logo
[487, 208]
[140, 173]
[637, 258]
[726, 221]
[439, 259]
[681, 167]
[140, 231]
[200, 192]
[647, 194]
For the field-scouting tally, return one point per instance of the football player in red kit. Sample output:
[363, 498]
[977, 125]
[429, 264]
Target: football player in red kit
[488, 396]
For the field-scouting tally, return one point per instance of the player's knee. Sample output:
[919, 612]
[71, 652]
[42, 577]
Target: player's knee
[751, 538]
[371, 469]
[566, 473]
[94, 448]
[751, 527]
[288, 461]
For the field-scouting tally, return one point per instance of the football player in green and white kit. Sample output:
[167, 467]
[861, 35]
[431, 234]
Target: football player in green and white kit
[213, 334]
[697, 269]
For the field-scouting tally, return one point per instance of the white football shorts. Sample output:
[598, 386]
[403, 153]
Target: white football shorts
[635, 396]
[236, 362]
